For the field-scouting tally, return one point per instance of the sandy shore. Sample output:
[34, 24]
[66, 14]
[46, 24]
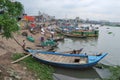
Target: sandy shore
[12, 46]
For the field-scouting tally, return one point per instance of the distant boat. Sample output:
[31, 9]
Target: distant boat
[75, 61]
[78, 51]
[58, 38]
[109, 32]
[48, 42]
[75, 36]
[69, 34]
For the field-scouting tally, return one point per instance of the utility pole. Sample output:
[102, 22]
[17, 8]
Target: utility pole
[39, 16]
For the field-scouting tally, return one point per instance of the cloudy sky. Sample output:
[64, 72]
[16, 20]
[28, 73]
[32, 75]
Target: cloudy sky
[92, 9]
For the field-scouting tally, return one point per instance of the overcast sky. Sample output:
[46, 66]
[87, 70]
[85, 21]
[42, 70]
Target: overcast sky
[92, 9]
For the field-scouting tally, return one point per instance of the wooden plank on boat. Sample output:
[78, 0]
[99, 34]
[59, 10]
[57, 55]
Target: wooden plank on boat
[67, 59]
[51, 58]
[72, 60]
[83, 61]
[55, 58]
[41, 56]
[47, 56]
[62, 59]
[58, 58]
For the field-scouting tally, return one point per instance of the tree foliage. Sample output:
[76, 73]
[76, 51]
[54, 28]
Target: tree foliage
[9, 12]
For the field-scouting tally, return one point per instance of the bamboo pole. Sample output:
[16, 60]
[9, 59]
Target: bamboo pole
[21, 58]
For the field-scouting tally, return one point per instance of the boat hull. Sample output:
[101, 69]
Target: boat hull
[91, 59]
[73, 66]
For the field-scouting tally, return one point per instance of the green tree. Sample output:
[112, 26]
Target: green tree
[9, 13]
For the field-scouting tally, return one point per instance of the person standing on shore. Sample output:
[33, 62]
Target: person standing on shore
[42, 41]
[24, 44]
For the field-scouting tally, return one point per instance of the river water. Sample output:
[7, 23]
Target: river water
[107, 41]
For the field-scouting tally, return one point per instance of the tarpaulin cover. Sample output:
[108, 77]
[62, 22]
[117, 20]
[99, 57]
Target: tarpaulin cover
[29, 18]
[33, 25]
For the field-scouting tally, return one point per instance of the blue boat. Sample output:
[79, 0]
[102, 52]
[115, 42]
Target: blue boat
[76, 61]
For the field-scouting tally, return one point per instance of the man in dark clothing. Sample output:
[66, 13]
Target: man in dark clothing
[73, 52]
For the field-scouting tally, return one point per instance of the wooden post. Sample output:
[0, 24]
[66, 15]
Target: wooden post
[21, 58]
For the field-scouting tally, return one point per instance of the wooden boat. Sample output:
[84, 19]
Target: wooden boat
[51, 43]
[69, 34]
[72, 52]
[75, 35]
[75, 61]
[88, 33]
[55, 45]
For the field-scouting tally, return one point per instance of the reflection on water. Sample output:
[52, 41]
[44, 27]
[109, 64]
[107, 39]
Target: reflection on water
[78, 73]
[72, 43]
